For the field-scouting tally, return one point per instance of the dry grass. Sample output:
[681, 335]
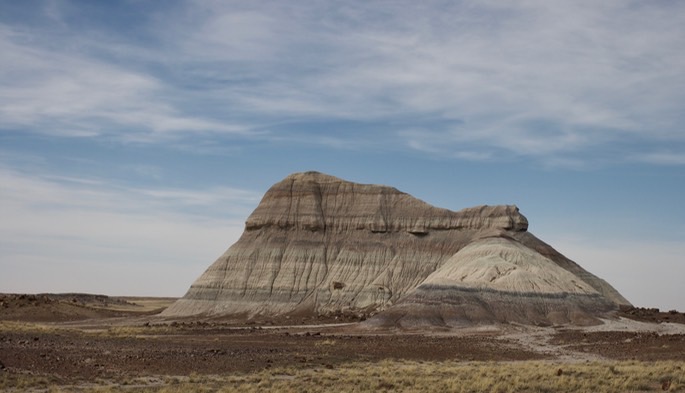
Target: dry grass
[326, 343]
[111, 331]
[136, 331]
[28, 327]
[404, 376]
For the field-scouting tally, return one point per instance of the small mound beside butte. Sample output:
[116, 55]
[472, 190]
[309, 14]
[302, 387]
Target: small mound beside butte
[320, 245]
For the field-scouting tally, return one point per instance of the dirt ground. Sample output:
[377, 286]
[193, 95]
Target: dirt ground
[643, 346]
[73, 354]
[115, 343]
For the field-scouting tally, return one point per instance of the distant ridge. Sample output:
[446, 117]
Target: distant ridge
[317, 244]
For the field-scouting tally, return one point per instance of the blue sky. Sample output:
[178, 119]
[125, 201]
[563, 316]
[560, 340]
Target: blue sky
[137, 136]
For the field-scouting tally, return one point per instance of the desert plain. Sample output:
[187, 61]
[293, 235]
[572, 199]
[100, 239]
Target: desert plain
[79, 343]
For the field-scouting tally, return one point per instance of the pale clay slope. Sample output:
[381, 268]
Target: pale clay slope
[317, 244]
[497, 280]
[505, 265]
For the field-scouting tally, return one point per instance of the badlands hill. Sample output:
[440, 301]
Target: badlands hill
[317, 244]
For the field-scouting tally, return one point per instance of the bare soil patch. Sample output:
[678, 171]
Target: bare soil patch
[73, 341]
[643, 346]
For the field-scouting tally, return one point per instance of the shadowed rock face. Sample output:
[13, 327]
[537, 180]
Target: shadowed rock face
[317, 244]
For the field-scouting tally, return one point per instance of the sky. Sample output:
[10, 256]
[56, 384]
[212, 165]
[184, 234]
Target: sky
[137, 136]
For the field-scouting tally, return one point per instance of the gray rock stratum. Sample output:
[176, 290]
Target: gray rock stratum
[317, 244]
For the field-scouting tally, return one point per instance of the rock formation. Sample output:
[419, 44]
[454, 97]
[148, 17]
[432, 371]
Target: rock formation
[317, 244]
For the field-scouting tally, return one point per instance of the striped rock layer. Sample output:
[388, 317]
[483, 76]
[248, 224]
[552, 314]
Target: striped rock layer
[317, 245]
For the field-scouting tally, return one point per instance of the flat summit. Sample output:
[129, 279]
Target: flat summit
[320, 245]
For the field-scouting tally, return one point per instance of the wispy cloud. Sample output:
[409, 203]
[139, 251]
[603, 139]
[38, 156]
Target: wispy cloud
[555, 82]
[90, 227]
[530, 79]
[662, 158]
[68, 93]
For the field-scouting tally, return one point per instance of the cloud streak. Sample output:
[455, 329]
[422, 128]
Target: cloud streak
[56, 231]
[533, 80]
[562, 82]
[74, 95]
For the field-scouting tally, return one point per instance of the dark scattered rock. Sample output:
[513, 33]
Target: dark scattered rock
[653, 315]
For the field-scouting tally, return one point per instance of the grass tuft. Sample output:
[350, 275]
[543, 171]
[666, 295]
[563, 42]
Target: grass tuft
[399, 376]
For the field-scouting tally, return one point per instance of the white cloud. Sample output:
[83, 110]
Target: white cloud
[535, 79]
[556, 82]
[71, 94]
[66, 234]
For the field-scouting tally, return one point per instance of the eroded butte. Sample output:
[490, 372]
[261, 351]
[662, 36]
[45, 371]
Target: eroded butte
[320, 245]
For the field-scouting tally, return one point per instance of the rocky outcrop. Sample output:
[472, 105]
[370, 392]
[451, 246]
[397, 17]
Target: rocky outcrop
[316, 202]
[317, 244]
